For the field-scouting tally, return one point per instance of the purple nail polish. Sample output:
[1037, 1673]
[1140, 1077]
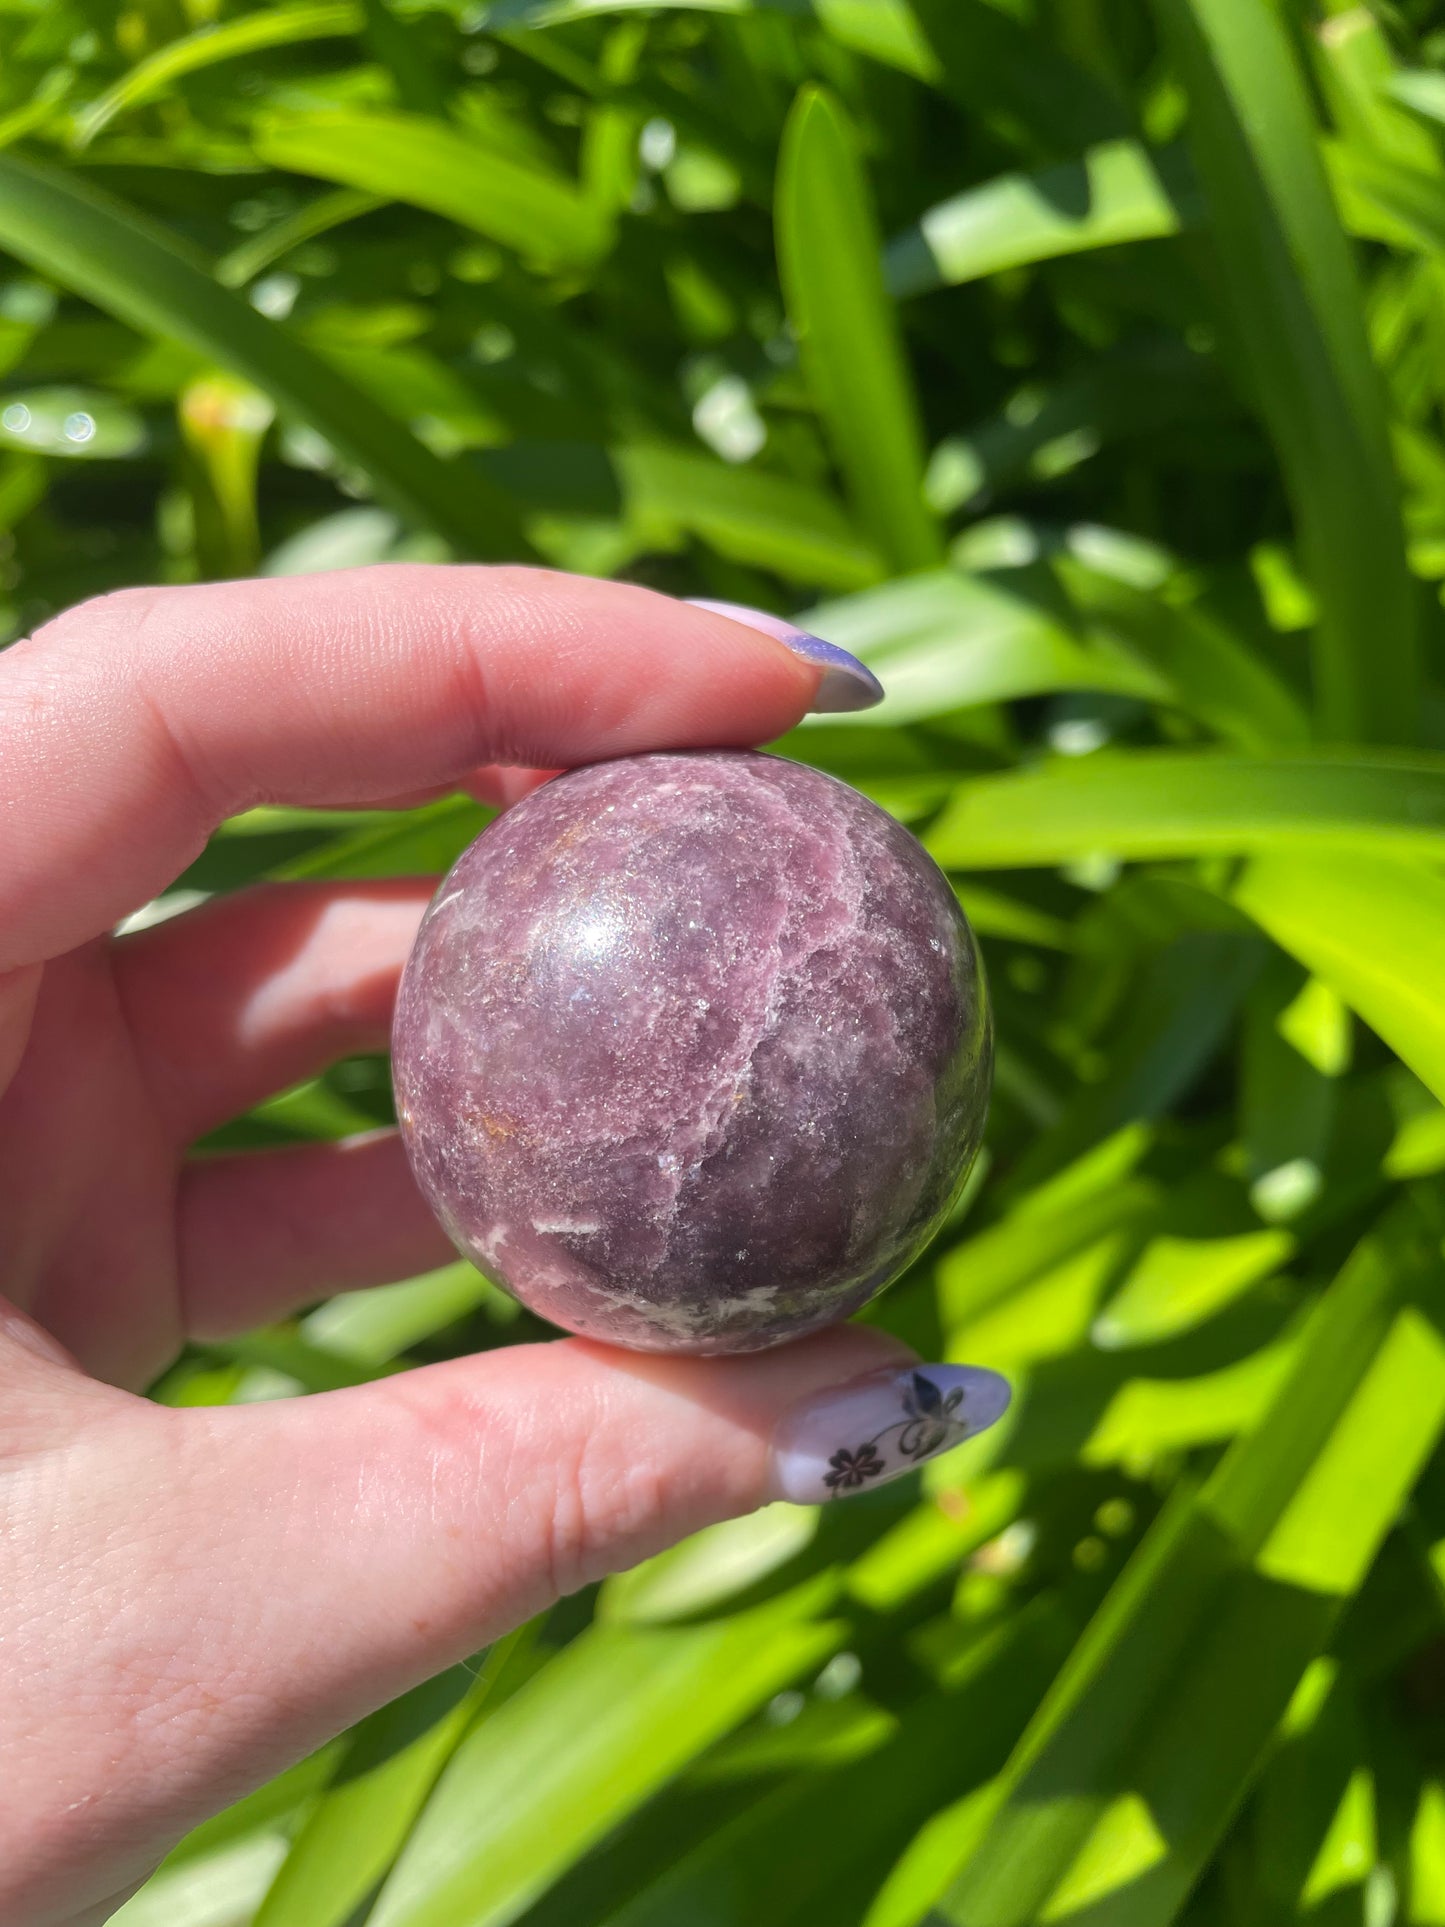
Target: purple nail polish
[847, 684]
[879, 1427]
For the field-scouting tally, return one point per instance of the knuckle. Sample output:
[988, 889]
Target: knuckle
[534, 1505]
[604, 1512]
[100, 621]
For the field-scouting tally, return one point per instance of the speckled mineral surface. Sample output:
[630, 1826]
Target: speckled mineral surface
[693, 1051]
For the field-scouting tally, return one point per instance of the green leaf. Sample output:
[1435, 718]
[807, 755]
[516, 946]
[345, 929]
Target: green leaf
[1212, 672]
[208, 46]
[1129, 1773]
[23, 482]
[1147, 387]
[1162, 804]
[278, 1351]
[1010, 75]
[946, 641]
[1097, 1200]
[1359, 77]
[885, 30]
[1286, 1107]
[933, 1539]
[1421, 90]
[269, 1808]
[421, 841]
[708, 1568]
[319, 216]
[749, 515]
[1288, 289]
[1387, 200]
[1179, 1009]
[1119, 191]
[78, 424]
[838, 1832]
[407, 157]
[847, 333]
[1312, 1819]
[131, 267]
[379, 1324]
[1184, 1276]
[993, 913]
[352, 1835]
[603, 1725]
[1373, 929]
[219, 1887]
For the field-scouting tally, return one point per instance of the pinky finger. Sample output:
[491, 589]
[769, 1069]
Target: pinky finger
[262, 1233]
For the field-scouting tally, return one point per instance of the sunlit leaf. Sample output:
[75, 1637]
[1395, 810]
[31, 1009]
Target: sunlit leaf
[1118, 192]
[606, 1723]
[1137, 1758]
[846, 329]
[1288, 288]
[409, 158]
[1177, 805]
[208, 46]
[1373, 928]
[350, 1838]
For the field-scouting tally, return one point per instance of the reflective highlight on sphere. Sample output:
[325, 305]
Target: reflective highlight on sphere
[693, 1051]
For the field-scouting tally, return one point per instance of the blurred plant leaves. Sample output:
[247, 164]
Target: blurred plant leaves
[1291, 298]
[75, 423]
[380, 1785]
[128, 265]
[210, 44]
[1373, 928]
[609, 1720]
[842, 318]
[1175, 805]
[411, 158]
[1137, 1758]
[1117, 192]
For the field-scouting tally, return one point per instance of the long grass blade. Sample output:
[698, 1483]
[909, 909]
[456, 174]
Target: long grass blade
[408, 157]
[1292, 300]
[847, 332]
[209, 46]
[1164, 805]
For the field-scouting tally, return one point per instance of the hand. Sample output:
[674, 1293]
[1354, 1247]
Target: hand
[190, 1600]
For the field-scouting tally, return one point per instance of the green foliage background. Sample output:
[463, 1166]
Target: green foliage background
[1079, 363]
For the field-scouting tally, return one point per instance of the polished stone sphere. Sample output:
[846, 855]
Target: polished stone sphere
[693, 1051]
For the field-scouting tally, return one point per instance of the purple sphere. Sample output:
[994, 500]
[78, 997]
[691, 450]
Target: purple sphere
[693, 1051]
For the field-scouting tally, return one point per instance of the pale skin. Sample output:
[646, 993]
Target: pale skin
[192, 1600]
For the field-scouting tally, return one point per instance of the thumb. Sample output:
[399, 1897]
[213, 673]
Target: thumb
[261, 1576]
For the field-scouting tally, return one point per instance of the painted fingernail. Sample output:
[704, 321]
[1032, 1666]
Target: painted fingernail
[879, 1427]
[846, 684]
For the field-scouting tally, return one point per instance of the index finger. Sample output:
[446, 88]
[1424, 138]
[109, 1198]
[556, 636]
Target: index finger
[132, 725]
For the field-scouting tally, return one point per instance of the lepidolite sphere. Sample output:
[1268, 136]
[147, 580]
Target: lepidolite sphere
[693, 1051]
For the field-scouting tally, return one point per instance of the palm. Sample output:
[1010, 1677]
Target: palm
[88, 1179]
[110, 1234]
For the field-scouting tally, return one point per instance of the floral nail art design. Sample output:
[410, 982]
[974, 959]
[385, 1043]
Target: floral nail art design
[859, 1435]
[929, 1417]
[853, 1469]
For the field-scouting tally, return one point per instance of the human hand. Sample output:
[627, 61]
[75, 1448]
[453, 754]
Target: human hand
[190, 1600]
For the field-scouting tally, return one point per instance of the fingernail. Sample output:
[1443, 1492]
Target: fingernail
[879, 1427]
[846, 683]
